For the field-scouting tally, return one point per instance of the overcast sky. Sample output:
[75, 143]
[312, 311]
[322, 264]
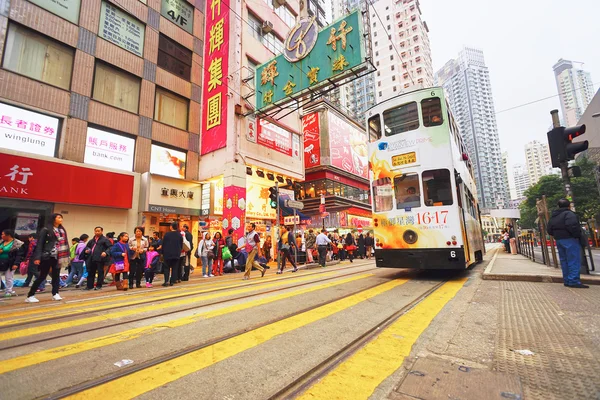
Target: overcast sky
[521, 41]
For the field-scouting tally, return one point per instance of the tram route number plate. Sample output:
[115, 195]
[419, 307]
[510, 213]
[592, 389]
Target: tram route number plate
[403, 159]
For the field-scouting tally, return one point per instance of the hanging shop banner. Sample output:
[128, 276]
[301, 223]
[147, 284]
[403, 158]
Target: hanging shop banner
[251, 129]
[122, 29]
[348, 146]
[234, 214]
[167, 162]
[32, 179]
[27, 131]
[216, 63]
[109, 150]
[311, 59]
[312, 140]
[274, 137]
[179, 12]
[67, 9]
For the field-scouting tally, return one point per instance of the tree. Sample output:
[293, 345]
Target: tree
[551, 186]
[587, 201]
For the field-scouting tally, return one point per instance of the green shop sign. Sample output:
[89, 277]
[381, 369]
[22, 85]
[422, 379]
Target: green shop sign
[311, 59]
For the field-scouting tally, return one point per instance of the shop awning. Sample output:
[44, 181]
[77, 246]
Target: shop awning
[288, 212]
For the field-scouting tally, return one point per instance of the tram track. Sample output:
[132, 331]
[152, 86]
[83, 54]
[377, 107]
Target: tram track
[190, 308]
[76, 389]
[305, 381]
[144, 300]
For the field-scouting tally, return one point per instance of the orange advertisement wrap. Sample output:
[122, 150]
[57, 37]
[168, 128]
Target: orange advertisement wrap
[216, 64]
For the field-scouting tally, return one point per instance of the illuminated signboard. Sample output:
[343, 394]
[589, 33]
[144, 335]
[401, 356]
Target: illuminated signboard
[167, 162]
[348, 147]
[109, 150]
[216, 62]
[27, 131]
[306, 63]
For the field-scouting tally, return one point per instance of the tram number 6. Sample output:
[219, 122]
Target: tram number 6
[452, 254]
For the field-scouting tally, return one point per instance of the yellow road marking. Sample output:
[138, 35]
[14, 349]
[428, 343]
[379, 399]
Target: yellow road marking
[169, 371]
[51, 327]
[76, 348]
[363, 372]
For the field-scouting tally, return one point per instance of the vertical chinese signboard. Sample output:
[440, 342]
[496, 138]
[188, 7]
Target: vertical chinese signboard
[312, 140]
[216, 63]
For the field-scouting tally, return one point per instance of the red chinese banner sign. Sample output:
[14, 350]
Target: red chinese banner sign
[234, 210]
[312, 140]
[216, 64]
[348, 146]
[274, 137]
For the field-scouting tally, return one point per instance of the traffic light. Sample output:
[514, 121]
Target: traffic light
[273, 197]
[562, 148]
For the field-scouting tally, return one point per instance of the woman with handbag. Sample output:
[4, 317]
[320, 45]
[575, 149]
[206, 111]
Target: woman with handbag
[11, 254]
[218, 251]
[285, 245]
[138, 246]
[120, 253]
[204, 252]
[50, 254]
[350, 246]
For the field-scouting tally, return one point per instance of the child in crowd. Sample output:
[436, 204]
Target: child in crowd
[152, 259]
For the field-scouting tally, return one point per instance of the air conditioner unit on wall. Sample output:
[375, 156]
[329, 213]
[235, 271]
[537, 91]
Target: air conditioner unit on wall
[267, 26]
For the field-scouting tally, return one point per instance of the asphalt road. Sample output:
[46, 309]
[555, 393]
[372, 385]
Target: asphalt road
[310, 334]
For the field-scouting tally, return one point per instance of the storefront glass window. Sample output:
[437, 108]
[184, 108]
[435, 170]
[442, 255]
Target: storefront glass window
[329, 187]
[319, 187]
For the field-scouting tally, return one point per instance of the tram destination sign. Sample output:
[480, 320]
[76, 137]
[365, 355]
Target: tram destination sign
[311, 60]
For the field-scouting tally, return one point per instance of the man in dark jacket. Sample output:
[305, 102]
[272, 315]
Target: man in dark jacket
[171, 247]
[188, 256]
[564, 227]
[96, 254]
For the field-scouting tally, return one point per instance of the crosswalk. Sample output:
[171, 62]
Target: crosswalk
[217, 323]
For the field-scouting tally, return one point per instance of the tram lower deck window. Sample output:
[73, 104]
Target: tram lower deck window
[437, 188]
[406, 189]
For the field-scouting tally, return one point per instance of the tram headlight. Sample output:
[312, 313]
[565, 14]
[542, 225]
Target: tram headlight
[410, 236]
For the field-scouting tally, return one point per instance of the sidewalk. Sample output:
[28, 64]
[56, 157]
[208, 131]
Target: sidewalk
[508, 267]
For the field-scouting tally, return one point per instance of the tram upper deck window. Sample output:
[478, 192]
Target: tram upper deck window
[432, 112]
[406, 189]
[437, 189]
[374, 128]
[401, 119]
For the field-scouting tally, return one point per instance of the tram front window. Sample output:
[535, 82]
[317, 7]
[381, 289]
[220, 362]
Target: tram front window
[406, 189]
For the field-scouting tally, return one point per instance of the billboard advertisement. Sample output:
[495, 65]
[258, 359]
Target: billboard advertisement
[274, 137]
[27, 131]
[216, 62]
[348, 147]
[167, 162]
[312, 140]
[109, 150]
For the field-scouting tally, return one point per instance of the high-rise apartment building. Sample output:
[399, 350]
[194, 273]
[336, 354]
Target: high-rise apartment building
[521, 181]
[401, 50]
[575, 89]
[537, 157]
[466, 82]
[506, 172]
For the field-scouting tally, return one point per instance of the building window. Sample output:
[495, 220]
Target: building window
[174, 58]
[417, 49]
[376, 43]
[419, 70]
[387, 17]
[402, 44]
[391, 56]
[378, 73]
[394, 88]
[405, 76]
[389, 27]
[390, 47]
[33, 55]
[375, 33]
[379, 83]
[380, 94]
[401, 34]
[117, 88]
[171, 109]
[285, 14]
[377, 63]
[376, 54]
[393, 67]
[406, 85]
[393, 77]
[254, 26]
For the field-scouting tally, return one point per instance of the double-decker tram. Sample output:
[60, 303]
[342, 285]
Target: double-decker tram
[425, 212]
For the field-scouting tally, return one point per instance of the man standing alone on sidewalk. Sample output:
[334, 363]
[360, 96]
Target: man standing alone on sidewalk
[564, 227]
[322, 241]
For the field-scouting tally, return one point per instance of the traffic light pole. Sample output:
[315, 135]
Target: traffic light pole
[564, 165]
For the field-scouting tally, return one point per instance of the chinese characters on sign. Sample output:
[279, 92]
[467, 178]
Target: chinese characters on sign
[216, 57]
[109, 150]
[274, 137]
[177, 194]
[120, 28]
[27, 131]
[179, 12]
[312, 140]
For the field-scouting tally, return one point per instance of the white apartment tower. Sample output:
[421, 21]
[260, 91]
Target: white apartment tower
[537, 157]
[466, 82]
[575, 89]
[521, 181]
[506, 173]
[401, 50]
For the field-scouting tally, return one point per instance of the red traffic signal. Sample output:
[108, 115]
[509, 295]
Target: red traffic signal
[572, 149]
[562, 148]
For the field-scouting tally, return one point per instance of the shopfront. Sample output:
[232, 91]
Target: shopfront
[33, 188]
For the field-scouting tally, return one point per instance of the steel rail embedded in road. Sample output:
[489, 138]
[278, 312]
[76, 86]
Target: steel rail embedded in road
[162, 359]
[298, 386]
[193, 307]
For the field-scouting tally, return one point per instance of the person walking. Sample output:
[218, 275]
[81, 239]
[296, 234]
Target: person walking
[267, 246]
[361, 246]
[205, 247]
[77, 262]
[188, 258]
[137, 261]
[565, 228]
[120, 253]
[512, 240]
[11, 253]
[311, 240]
[322, 241]
[285, 246]
[50, 254]
[252, 244]
[96, 254]
[219, 243]
[350, 246]
[32, 269]
[172, 247]
[369, 244]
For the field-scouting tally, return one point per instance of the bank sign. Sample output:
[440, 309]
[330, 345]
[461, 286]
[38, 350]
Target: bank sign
[311, 59]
